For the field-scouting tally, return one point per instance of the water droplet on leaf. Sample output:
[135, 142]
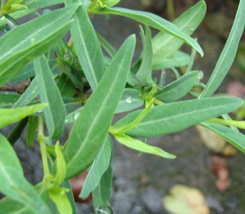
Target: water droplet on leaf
[104, 209]
[129, 100]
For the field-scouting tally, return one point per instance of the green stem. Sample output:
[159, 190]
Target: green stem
[238, 124]
[138, 119]
[158, 102]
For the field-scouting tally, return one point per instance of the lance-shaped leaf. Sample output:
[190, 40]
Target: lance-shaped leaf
[235, 138]
[145, 69]
[13, 183]
[228, 53]
[179, 87]
[178, 59]
[30, 93]
[13, 115]
[154, 21]
[174, 117]
[142, 147]
[91, 127]
[7, 99]
[165, 45]
[49, 93]
[87, 46]
[27, 41]
[98, 168]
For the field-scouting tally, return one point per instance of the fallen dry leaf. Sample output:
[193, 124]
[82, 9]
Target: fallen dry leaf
[220, 169]
[216, 143]
[185, 200]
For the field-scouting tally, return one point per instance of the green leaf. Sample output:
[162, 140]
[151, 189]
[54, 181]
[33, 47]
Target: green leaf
[235, 138]
[27, 41]
[16, 132]
[228, 53]
[87, 46]
[31, 130]
[65, 86]
[13, 115]
[49, 93]
[174, 117]
[102, 194]
[154, 21]
[32, 6]
[178, 59]
[179, 87]
[145, 69]
[165, 45]
[13, 183]
[91, 127]
[30, 93]
[106, 45]
[98, 168]
[142, 147]
[7, 99]
[24, 74]
[131, 99]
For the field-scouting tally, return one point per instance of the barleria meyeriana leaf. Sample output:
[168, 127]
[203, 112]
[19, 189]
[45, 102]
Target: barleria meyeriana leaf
[145, 68]
[228, 54]
[165, 45]
[96, 116]
[87, 46]
[174, 117]
[13, 183]
[13, 115]
[178, 88]
[154, 21]
[27, 41]
[49, 93]
[98, 168]
[235, 138]
[142, 146]
[27, 97]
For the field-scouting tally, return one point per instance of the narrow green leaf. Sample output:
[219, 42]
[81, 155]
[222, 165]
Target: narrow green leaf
[91, 127]
[165, 44]
[7, 99]
[27, 41]
[145, 69]
[98, 168]
[106, 45]
[235, 138]
[13, 115]
[102, 194]
[178, 59]
[174, 117]
[87, 46]
[13, 183]
[65, 86]
[49, 93]
[131, 99]
[25, 73]
[179, 87]
[30, 93]
[154, 21]
[16, 132]
[31, 130]
[228, 53]
[142, 147]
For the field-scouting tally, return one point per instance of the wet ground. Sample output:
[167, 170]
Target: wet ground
[141, 181]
